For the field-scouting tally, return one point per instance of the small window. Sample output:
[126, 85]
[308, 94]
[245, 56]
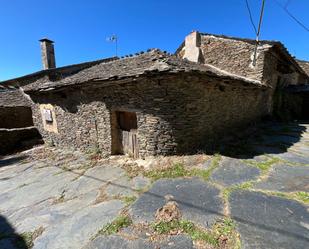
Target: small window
[48, 116]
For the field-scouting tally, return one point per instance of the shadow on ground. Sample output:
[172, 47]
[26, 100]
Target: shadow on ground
[9, 239]
[11, 160]
[267, 138]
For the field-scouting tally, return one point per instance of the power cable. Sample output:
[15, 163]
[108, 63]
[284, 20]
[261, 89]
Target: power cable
[291, 15]
[251, 18]
[287, 3]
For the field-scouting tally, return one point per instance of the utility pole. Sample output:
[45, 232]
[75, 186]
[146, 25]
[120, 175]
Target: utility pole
[258, 33]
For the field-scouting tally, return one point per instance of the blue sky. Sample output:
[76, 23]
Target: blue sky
[80, 28]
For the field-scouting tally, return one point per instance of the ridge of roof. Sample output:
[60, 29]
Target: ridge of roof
[249, 40]
[302, 61]
[153, 61]
[253, 41]
[304, 65]
[273, 42]
[73, 67]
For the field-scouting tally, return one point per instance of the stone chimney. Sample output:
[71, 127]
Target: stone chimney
[48, 53]
[192, 47]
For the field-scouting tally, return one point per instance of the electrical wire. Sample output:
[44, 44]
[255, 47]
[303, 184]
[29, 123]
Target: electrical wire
[291, 15]
[251, 18]
[287, 3]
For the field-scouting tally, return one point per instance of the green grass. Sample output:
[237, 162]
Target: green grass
[23, 240]
[26, 239]
[265, 165]
[302, 196]
[225, 228]
[205, 174]
[128, 200]
[243, 186]
[115, 226]
[187, 227]
[298, 196]
[179, 170]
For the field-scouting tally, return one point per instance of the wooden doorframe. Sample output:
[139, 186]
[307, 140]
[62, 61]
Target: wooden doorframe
[124, 133]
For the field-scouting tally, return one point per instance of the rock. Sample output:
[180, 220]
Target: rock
[293, 158]
[269, 222]
[198, 201]
[233, 171]
[286, 178]
[116, 242]
[75, 231]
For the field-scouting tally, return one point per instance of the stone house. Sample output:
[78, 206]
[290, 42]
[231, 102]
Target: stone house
[16, 126]
[148, 104]
[155, 103]
[274, 66]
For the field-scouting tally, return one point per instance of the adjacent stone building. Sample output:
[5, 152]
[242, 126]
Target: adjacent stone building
[273, 66]
[16, 125]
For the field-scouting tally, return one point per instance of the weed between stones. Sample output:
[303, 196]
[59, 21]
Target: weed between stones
[227, 191]
[297, 196]
[222, 235]
[179, 170]
[115, 226]
[266, 165]
[27, 238]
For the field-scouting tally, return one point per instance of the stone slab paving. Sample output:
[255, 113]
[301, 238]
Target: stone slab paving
[293, 158]
[76, 230]
[286, 178]
[269, 222]
[116, 242]
[281, 139]
[234, 171]
[71, 205]
[198, 201]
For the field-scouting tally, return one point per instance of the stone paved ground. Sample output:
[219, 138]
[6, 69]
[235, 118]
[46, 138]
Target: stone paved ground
[62, 199]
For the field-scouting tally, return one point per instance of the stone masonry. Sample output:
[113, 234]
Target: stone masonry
[176, 114]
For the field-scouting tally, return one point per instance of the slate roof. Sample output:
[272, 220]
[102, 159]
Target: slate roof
[152, 62]
[272, 43]
[304, 65]
[51, 74]
[11, 98]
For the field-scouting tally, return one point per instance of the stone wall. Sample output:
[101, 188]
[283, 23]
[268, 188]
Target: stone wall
[175, 114]
[279, 72]
[15, 117]
[236, 56]
[288, 106]
[18, 138]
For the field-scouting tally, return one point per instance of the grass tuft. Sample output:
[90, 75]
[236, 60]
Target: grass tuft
[298, 196]
[115, 226]
[128, 200]
[243, 186]
[265, 165]
[179, 170]
[195, 232]
[223, 232]
[302, 196]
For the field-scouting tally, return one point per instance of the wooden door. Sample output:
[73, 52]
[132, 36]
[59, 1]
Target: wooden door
[128, 126]
[129, 143]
